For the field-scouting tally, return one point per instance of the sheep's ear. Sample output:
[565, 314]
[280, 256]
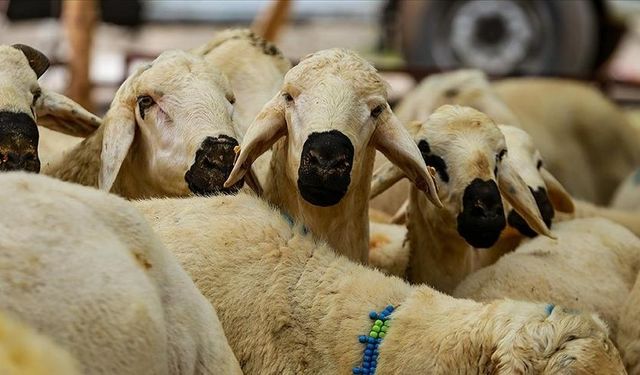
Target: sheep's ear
[394, 141]
[119, 130]
[518, 194]
[57, 112]
[37, 60]
[266, 129]
[559, 197]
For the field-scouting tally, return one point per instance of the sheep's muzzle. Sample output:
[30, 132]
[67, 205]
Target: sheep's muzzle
[546, 210]
[324, 174]
[212, 166]
[18, 142]
[482, 218]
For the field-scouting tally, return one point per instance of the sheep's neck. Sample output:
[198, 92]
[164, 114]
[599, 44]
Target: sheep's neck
[439, 256]
[345, 226]
[81, 164]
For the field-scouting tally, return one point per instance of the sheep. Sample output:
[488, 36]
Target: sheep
[255, 69]
[290, 305]
[628, 337]
[84, 268]
[169, 132]
[563, 117]
[591, 265]
[23, 103]
[25, 352]
[627, 196]
[468, 151]
[387, 250]
[325, 125]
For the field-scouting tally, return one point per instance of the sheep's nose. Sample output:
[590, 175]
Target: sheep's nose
[482, 217]
[324, 174]
[18, 142]
[212, 166]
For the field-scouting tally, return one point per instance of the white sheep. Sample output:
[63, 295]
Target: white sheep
[627, 196]
[84, 268]
[255, 69]
[325, 125]
[23, 351]
[290, 305]
[23, 103]
[628, 337]
[169, 132]
[468, 151]
[592, 265]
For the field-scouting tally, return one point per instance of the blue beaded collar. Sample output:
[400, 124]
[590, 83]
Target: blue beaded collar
[372, 341]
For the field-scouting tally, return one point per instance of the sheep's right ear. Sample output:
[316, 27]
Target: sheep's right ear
[266, 129]
[37, 60]
[559, 197]
[59, 113]
[118, 133]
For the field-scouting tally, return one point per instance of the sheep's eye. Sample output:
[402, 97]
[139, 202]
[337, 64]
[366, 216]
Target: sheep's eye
[36, 96]
[232, 101]
[501, 155]
[144, 103]
[377, 111]
[287, 97]
[539, 165]
[572, 337]
[451, 93]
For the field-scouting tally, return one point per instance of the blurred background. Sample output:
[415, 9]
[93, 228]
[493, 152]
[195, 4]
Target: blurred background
[94, 44]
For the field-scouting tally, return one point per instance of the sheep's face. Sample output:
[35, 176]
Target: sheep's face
[466, 149]
[184, 131]
[19, 91]
[563, 341]
[546, 190]
[466, 87]
[334, 114]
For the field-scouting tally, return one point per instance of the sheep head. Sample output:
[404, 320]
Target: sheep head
[172, 120]
[333, 111]
[548, 192]
[23, 103]
[468, 152]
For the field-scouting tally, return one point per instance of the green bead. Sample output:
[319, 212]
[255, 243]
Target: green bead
[375, 328]
[382, 335]
[373, 334]
[378, 322]
[386, 323]
[384, 328]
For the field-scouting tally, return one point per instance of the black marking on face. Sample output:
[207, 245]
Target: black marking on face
[433, 160]
[212, 167]
[324, 174]
[18, 142]
[451, 93]
[546, 210]
[539, 165]
[482, 218]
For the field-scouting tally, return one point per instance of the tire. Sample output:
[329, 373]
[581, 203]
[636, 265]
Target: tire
[501, 36]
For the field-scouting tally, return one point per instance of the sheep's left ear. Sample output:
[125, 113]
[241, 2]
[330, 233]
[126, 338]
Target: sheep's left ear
[394, 141]
[266, 129]
[559, 197]
[118, 134]
[57, 112]
[517, 193]
[38, 61]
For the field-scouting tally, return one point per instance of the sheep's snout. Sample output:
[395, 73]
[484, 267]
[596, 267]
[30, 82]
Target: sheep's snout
[18, 142]
[325, 168]
[482, 217]
[546, 210]
[213, 164]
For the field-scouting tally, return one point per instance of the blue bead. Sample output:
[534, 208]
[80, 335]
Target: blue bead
[368, 352]
[370, 346]
[362, 339]
[371, 340]
[376, 351]
[373, 315]
[379, 340]
[374, 355]
[366, 365]
[357, 370]
[366, 358]
[366, 371]
[375, 346]
[390, 308]
[374, 364]
[372, 371]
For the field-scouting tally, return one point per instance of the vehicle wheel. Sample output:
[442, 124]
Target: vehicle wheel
[501, 36]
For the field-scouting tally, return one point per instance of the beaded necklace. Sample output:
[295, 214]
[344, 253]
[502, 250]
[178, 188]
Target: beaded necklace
[372, 342]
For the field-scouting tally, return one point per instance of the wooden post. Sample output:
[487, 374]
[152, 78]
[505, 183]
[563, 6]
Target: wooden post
[79, 19]
[269, 23]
